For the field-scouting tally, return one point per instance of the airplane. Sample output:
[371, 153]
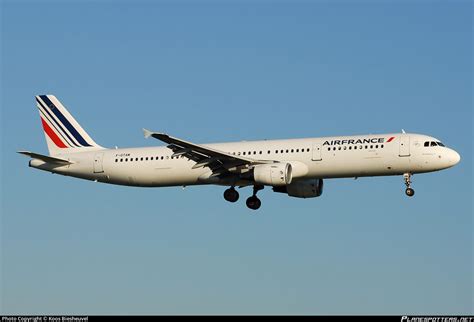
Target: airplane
[296, 167]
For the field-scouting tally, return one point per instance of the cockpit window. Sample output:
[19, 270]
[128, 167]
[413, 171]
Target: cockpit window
[433, 143]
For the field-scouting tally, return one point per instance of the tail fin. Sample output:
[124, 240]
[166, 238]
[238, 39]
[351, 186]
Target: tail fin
[63, 133]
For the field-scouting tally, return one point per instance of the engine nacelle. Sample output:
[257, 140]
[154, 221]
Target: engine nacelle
[303, 189]
[276, 174]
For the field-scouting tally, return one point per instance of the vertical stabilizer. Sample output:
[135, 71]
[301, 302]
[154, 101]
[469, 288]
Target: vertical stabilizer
[63, 133]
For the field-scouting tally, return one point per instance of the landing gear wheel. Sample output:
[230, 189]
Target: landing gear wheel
[231, 195]
[253, 203]
[410, 192]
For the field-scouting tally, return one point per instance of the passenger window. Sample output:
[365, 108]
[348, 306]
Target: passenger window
[268, 151]
[281, 151]
[260, 152]
[371, 146]
[350, 148]
[334, 148]
[339, 148]
[345, 148]
[276, 151]
[377, 146]
[151, 158]
[126, 160]
[297, 150]
[244, 153]
[116, 160]
[433, 143]
[292, 150]
[121, 160]
[329, 149]
[146, 158]
[141, 159]
[427, 143]
[381, 146]
[307, 150]
[254, 152]
[366, 147]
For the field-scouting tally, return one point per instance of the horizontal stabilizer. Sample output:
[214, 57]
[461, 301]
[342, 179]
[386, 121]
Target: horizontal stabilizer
[45, 158]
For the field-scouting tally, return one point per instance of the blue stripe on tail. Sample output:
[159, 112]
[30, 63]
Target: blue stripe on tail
[64, 120]
[46, 118]
[52, 118]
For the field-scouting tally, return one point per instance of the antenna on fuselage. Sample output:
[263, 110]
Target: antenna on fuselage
[403, 131]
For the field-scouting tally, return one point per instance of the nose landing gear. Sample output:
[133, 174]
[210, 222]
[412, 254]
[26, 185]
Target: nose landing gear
[408, 191]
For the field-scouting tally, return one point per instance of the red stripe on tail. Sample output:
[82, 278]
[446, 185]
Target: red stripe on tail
[390, 140]
[52, 135]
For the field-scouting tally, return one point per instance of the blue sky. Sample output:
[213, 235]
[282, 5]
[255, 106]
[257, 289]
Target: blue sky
[209, 71]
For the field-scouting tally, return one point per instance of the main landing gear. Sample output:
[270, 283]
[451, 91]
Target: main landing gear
[408, 191]
[231, 195]
[252, 202]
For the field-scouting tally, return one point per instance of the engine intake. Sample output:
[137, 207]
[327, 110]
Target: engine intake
[277, 174]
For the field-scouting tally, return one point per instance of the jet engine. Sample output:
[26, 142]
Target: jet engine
[276, 174]
[310, 188]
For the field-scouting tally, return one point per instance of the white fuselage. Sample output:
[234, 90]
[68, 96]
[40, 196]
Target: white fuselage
[326, 157]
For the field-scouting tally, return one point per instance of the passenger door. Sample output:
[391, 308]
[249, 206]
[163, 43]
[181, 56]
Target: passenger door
[317, 149]
[98, 163]
[404, 148]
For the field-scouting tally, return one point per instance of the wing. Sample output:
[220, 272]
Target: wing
[216, 160]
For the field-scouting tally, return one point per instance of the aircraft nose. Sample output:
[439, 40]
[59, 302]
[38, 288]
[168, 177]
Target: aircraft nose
[454, 157]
